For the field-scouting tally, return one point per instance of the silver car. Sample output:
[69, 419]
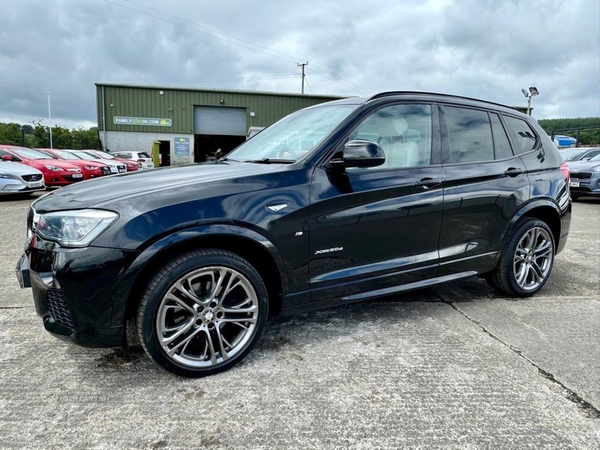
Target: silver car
[18, 178]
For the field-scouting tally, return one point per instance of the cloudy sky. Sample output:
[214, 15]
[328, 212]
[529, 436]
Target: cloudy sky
[487, 49]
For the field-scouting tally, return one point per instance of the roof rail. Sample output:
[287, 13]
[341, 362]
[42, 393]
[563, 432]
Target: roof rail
[433, 94]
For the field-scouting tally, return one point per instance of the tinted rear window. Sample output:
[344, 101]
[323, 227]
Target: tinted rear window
[522, 135]
[469, 135]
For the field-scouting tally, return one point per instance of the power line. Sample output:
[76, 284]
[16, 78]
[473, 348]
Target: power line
[232, 40]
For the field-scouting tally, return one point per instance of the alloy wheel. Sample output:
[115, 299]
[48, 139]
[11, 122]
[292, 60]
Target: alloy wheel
[533, 259]
[207, 317]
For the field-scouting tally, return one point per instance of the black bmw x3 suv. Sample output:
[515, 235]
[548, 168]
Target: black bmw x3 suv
[336, 203]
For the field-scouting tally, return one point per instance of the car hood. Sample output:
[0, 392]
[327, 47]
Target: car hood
[102, 192]
[63, 164]
[581, 166]
[17, 168]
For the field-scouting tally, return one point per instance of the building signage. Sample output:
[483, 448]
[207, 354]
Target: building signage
[146, 121]
[182, 146]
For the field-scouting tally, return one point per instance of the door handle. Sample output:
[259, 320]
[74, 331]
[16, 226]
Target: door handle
[427, 183]
[513, 171]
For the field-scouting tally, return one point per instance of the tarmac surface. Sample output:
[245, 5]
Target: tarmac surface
[457, 366]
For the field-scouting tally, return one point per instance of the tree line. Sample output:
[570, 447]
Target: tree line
[37, 136]
[587, 127]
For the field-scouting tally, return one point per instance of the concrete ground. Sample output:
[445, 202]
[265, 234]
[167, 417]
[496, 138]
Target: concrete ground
[458, 366]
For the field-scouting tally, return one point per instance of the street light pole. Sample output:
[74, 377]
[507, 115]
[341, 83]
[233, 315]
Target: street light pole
[49, 117]
[533, 91]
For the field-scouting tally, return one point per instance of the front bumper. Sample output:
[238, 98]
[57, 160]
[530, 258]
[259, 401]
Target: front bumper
[74, 291]
[585, 183]
[62, 179]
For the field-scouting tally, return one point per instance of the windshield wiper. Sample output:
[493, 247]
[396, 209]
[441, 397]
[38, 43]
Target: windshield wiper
[271, 161]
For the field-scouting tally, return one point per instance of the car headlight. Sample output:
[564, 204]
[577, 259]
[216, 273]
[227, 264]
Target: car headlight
[74, 228]
[53, 168]
[90, 168]
[596, 169]
[8, 175]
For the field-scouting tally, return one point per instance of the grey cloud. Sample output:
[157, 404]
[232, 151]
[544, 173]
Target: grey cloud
[485, 49]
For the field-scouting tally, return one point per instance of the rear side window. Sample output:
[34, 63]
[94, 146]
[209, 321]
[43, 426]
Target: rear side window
[469, 135]
[523, 137]
[143, 155]
[501, 142]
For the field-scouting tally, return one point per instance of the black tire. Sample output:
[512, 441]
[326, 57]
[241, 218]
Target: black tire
[202, 312]
[526, 260]
[575, 197]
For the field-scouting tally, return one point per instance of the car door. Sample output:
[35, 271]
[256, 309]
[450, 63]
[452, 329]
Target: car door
[484, 185]
[374, 229]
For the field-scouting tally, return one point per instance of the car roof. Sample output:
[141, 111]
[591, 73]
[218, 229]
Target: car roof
[425, 96]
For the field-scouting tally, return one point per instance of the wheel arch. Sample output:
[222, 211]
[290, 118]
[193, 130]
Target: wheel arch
[543, 210]
[248, 244]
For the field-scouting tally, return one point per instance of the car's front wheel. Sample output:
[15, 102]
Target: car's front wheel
[526, 260]
[202, 312]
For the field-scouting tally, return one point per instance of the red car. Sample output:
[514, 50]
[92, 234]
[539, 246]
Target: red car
[91, 169]
[56, 172]
[131, 165]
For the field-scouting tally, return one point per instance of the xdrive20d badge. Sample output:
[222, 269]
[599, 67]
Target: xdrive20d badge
[333, 204]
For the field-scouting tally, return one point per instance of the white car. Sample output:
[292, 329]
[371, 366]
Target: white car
[141, 157]
[18, 178]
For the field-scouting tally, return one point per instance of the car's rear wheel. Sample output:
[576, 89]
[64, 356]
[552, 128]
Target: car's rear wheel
[526, 260]
[202, 312]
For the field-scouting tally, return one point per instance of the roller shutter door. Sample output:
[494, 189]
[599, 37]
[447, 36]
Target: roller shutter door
[220, 120]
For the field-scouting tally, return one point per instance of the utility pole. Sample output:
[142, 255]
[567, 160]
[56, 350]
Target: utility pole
[303, 76]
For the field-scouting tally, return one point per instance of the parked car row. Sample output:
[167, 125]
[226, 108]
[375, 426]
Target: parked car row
[55, 168]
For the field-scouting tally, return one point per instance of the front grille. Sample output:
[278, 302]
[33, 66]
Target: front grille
[70, 178]
[57, 307]
[34, 177]
[581, 175]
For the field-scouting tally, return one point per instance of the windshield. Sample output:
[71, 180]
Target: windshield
[66, 155]
[86, 155]
[31, 154]
[293, 137]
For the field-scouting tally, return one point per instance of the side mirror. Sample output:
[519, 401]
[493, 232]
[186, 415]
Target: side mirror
[360, 153]
[6, 158]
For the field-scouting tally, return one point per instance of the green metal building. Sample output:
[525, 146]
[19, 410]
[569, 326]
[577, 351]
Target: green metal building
[187, 124]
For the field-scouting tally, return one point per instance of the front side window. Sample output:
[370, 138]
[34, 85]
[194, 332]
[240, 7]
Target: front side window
[403, 132]
[523, 137]
[469, 135]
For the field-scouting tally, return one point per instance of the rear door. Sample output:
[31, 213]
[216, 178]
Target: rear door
[484, 185]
